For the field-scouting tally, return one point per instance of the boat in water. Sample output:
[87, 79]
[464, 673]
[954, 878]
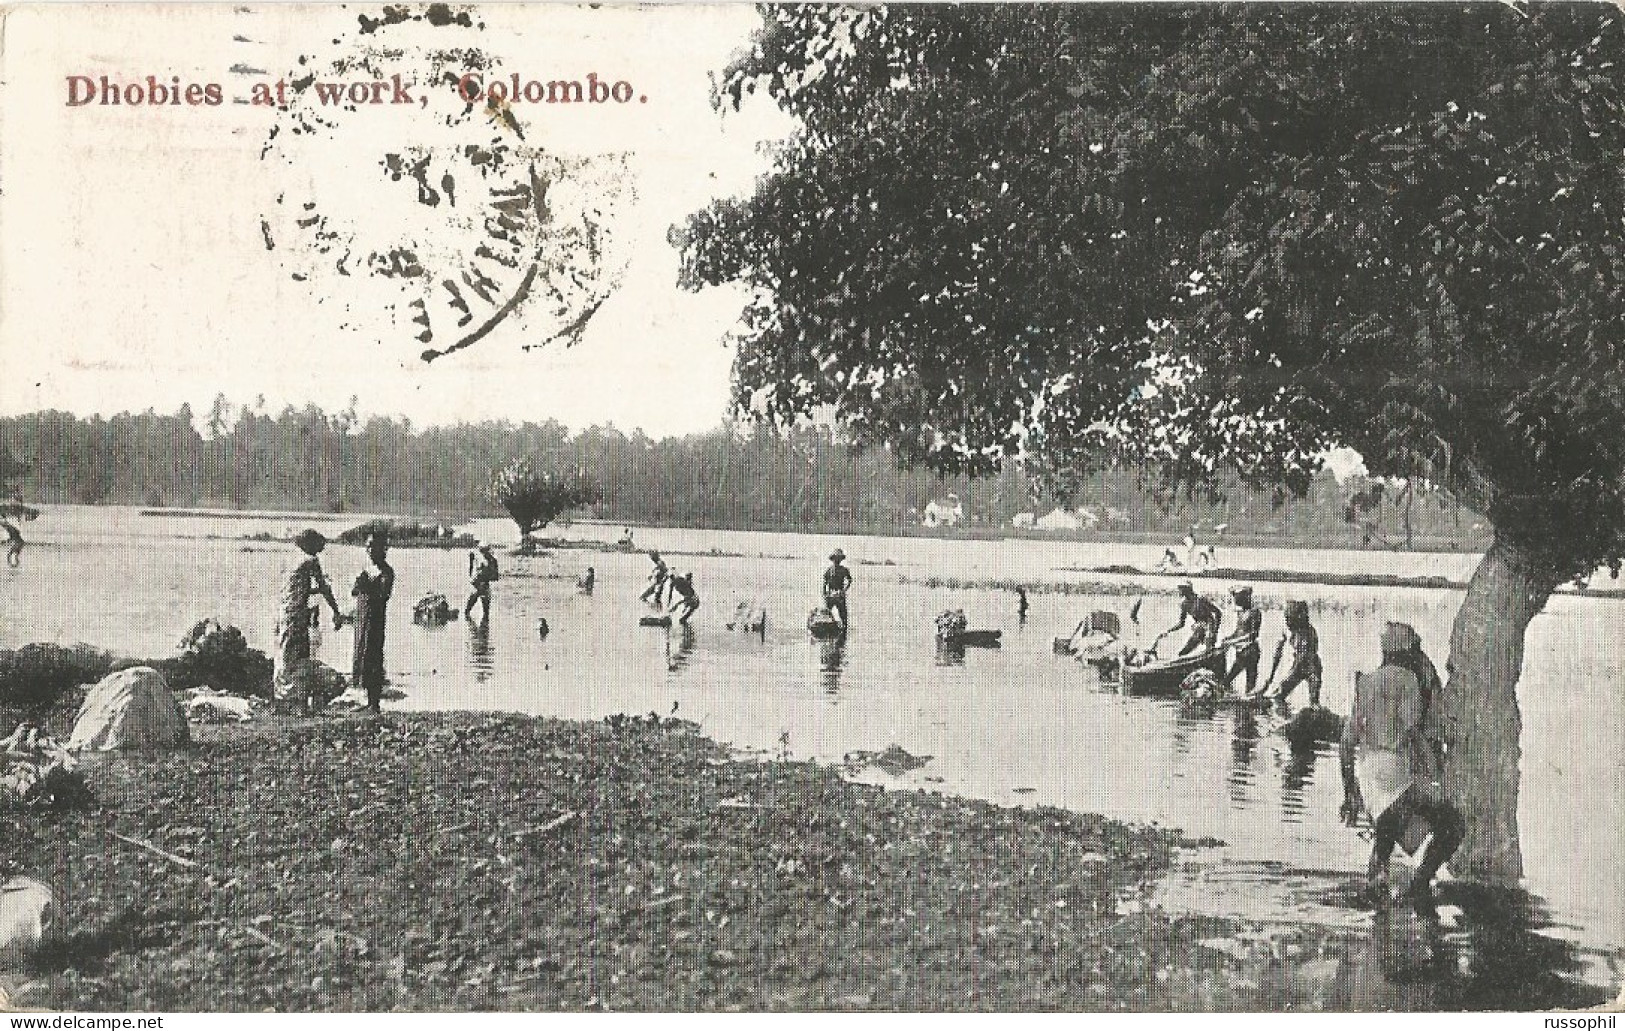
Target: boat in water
[1162, 678]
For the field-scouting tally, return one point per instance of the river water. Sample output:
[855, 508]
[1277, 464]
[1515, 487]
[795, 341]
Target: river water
[1016, 725]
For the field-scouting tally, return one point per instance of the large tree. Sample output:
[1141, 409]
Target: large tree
[1215, 234]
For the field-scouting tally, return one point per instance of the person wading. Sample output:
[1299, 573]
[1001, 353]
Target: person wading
[1244, 639]
[1203, 616]
[14, 543]
[372, 589]
[482, 572]
[293, 619]
[1305, 643]
[1391, 773]
[684, 597]
[657, 579]
[837, 581]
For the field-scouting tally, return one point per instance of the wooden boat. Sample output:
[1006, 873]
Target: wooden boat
[823, 625]
[971, 638]
[1163, 678]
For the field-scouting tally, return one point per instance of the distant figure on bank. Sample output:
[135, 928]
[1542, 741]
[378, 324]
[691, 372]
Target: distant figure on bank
[372, 589]
[1391, 772]
[626, 539]
[684, 598]
[1189, 544]
[1244, 639]
[657, 579]
[294, 612]
[14, 544]
[1021, 605]
[837, 581]
[584, 582]
[1306, 667]
[1170, 561]
[1203, 616]
[482, 572]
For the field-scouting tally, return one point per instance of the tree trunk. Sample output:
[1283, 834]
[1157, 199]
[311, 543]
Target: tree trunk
[1479, 710]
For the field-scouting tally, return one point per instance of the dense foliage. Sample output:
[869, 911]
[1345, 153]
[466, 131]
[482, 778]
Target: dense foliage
[1394, 228]
[805, 477]
[1215, 235]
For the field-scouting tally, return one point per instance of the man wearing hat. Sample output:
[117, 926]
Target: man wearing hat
[293, 615]
[837, 579]
[482, 571]
[1244, 639]
[1390, 772]
[1203, 615]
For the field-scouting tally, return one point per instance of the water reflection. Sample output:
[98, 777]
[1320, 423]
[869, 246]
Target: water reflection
[677, 658]
[1243, 751]
[950, 653]
[1488, 954]
[1296, 774]
[481, 658]
[831, 658]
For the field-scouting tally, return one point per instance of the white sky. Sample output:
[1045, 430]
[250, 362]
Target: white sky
[133, 271]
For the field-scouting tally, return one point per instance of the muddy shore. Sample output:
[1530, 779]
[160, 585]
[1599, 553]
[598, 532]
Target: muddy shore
[467, 862]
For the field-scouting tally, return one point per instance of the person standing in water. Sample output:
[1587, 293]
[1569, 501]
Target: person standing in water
[372, 590]
[1391, 773]
[1244, 639]
[837, 581]
[1203, 615]
[657, 580]
[293, 622]
[14, 544]
[482, 572]
[1305, 643]
[685, 599]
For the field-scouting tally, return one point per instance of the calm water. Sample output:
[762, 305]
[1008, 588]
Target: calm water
[1015, 725]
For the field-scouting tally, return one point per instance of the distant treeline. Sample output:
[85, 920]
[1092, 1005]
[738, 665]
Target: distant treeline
[745, 477]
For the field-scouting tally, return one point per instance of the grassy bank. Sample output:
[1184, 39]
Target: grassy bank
[463, 862]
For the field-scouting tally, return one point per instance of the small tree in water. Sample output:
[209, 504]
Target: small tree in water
[533, 499]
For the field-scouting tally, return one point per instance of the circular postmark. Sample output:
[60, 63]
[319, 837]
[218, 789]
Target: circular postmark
[427, 217]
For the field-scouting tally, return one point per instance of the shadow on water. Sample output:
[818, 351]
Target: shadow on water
[1488, 955]
[1310, 942]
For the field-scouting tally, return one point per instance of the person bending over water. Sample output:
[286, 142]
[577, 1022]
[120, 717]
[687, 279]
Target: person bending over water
[1391, 773]
[1203, 615]
[1305, 643]
[14, 544]
[686, 600]
[657, 580]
